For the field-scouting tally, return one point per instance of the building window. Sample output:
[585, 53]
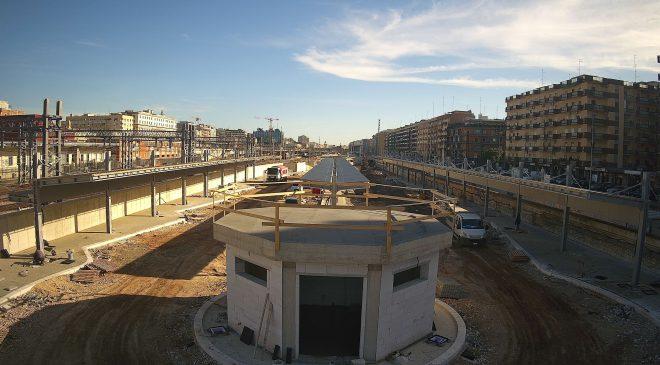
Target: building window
[410, 276]
[250, 271]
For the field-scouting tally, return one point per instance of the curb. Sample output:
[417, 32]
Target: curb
[27, 287]
[203, 341]
[458, 345]
[579, 283]
[456, 348]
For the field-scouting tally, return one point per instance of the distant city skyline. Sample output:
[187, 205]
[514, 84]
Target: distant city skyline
[328, 70]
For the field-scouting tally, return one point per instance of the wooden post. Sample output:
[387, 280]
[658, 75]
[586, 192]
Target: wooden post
[366, 201]
[277, 228]
[388, 232]
[224, 200]
[213, 207]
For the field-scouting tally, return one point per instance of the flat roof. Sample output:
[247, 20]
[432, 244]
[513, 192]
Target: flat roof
[345, 172]
[245, 225]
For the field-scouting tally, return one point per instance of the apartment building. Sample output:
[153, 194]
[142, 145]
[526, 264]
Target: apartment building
[112, 121]
[148, 120]
[477, 139]
[403, 140]
[201, 130]
[433, 134]
[379, 142]
[230, 134]
[587, 121]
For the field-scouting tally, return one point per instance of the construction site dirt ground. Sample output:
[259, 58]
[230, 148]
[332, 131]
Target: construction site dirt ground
[516, 315]
[143, 311]
[140, 313]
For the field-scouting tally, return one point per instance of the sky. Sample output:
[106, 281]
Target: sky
[326, 69]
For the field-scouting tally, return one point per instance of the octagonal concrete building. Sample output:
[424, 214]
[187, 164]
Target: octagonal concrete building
[331, 291]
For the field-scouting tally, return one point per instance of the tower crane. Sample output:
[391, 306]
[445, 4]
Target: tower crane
[270, 121]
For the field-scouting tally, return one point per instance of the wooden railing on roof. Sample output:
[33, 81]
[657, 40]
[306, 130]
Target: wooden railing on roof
[440, 204]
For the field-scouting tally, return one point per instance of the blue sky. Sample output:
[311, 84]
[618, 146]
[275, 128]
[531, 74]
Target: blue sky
[326, 69]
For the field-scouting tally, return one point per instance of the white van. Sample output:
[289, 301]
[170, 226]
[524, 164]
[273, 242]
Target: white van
[468, 228]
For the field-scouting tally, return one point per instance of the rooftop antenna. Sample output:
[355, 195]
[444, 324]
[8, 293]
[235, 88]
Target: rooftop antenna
[480, 105]
[379, 125]
[579, 66]
[541, 76]
[635, 66]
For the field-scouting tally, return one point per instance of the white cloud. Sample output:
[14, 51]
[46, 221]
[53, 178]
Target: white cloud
[87, 43]
[457, 41]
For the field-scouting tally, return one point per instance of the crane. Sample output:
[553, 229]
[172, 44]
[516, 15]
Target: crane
[270, 130]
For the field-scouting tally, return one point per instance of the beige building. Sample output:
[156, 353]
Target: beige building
[5, 109]
[113, 121]
[433, 134]
[612, 124]
[379, 142]
[148, 120]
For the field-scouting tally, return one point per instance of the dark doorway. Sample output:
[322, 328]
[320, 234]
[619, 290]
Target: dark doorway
[330, 315]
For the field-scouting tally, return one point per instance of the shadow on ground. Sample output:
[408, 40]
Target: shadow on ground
[120, 329]
[183, 256]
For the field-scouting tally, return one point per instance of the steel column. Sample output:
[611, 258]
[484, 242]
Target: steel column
[184, 198]
[565, 224]
[153, 197]
[518, 212]
[108, 210]
[641, 230]
[206, 184]
[38, 215]
[486, 198]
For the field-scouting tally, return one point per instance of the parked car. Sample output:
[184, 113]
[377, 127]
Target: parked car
[468, 228]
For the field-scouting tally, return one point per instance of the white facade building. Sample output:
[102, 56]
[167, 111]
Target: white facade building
[332, 292]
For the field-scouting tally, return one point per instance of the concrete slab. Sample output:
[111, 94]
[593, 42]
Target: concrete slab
[332, 236]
